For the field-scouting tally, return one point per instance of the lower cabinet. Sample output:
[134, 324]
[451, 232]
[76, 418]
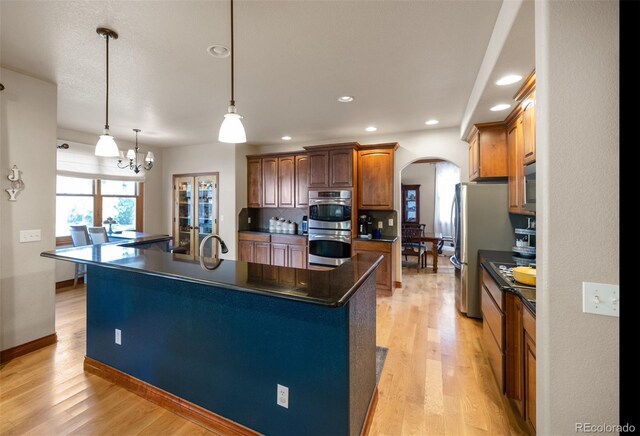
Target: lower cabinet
[493, 321]
[386, 274]
[276, 250]
[529, 331]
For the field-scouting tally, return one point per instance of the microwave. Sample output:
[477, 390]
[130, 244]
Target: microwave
[530, 187]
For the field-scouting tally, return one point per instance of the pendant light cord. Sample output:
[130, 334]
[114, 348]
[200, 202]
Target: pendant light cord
[233, 102]
[106, 125]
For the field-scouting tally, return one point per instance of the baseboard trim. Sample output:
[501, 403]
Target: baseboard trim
[398, 284]
[21, 350]
[171, 402]
[62, 285]
[372, 408]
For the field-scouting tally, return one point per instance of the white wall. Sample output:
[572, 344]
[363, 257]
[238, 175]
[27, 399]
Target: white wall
[153, 189]
[423, 174]
[430, 143]
[226, 159]
[577, 139]
[28, 117]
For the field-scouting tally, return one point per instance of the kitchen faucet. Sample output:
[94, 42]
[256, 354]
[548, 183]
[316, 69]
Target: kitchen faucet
[223, 247]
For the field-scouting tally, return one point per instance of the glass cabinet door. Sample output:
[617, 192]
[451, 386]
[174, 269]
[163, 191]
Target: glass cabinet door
[206, 213]
[411, 204]
[183, 214]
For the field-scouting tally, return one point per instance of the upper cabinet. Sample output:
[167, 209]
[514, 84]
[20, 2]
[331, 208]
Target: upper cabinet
[488, 152]
[375, 176]
[333, 165]
[278, 181]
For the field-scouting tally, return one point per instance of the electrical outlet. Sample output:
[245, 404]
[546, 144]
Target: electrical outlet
[601, 299]
[390, 222]
[118, 337]
[283, 396]
[379, 224]
[249, 220]
[221, 218]
[30, 235]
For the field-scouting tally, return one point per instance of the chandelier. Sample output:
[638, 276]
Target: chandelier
[132, 157]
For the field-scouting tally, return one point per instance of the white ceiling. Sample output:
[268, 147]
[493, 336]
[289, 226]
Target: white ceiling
[404, 61]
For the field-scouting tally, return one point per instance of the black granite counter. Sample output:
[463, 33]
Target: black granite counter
[385, 238]
[527, 296]
[130, 239]
[327, 288]
[267, 232]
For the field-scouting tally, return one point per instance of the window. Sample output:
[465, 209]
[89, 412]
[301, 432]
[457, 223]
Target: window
[92, 201]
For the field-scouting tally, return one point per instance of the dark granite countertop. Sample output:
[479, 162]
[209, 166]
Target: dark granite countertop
[384, 238]
[266, 231]
[128, 238]
[526, 295]
[331, 288]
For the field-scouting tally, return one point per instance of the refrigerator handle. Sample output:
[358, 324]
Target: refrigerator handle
[453, 222]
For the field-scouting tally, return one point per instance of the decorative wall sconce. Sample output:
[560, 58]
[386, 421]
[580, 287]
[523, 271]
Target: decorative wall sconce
[17, 184]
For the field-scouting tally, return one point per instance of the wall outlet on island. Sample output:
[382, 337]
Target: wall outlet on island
[118, 337]
[283, 396]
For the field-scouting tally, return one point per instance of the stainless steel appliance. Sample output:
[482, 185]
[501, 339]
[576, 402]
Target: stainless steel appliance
[329, 227]
[530, 187]
[481, 222]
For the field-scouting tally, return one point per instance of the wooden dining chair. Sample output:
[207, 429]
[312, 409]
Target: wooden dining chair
[411, 244]
[80, 237]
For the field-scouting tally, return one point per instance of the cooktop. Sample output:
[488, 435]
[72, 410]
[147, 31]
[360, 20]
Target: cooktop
[504, 271]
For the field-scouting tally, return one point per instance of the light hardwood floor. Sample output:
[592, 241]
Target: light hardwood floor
[436, 379]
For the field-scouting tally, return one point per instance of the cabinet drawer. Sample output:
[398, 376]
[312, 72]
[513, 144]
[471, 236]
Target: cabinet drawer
[258, 237]
[383, 247]
[492, 288]
[495, 356]
[529, 323]
[289, 239]
[492, 318]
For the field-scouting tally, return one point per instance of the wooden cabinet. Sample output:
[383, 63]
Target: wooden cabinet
[270, 249]
[332, 165]
[302, 181]
[529, 328]
[385, 276]
[280, 181]
[286, 181]
[254, 182]
[514, 350]
[488, 152]
[493, 332]
[270, 182]
[376, 176]
[410, 204]
[526, 97]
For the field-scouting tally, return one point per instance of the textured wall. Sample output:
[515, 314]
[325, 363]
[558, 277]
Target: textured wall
[28, 139]
[578, 170]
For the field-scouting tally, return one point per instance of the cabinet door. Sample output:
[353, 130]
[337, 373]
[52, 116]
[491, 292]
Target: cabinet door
[183, 214]
[383, 275]
[341, 168]
[270, 182]
[254, 182]
[520, 163]
[514, 350]
[246, 251]
[474, 157]
[206, 213]
[302, 181]
[410, 204]
[297, 256]
[514, 163]
[375, 179]
[530, 380]
[529, 127]
[286, 181]
[262, 253]
[319, 169]
[279, 254]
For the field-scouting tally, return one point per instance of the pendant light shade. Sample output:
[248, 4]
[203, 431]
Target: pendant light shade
[232, 130]
[106, 145]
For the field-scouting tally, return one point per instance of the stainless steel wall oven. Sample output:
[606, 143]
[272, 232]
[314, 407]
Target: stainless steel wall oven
[329, 227]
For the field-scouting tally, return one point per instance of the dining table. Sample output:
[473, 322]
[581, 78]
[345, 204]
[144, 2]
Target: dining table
[436, 240]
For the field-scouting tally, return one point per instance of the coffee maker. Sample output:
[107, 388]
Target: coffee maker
[364, 226]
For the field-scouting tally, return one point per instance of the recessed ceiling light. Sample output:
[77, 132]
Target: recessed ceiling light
[286, 138]
[346, 99]
[500, 107]
[508, 80]
[431, 122]
[219, 51]
[371, 129]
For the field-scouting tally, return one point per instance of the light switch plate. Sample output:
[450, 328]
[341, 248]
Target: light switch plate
[390, 222]
[601, 299]
[379, 224]
[30, 235]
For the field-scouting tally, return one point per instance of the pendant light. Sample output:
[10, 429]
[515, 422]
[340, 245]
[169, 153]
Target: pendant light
[232, 130]
[132, 156]
[106, 145]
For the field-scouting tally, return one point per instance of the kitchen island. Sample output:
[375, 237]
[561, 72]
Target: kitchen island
[214, 345]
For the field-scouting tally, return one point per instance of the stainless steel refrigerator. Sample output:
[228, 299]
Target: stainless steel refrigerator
[480, 218]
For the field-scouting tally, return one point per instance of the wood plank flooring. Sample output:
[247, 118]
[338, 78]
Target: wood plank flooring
[436, 379]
